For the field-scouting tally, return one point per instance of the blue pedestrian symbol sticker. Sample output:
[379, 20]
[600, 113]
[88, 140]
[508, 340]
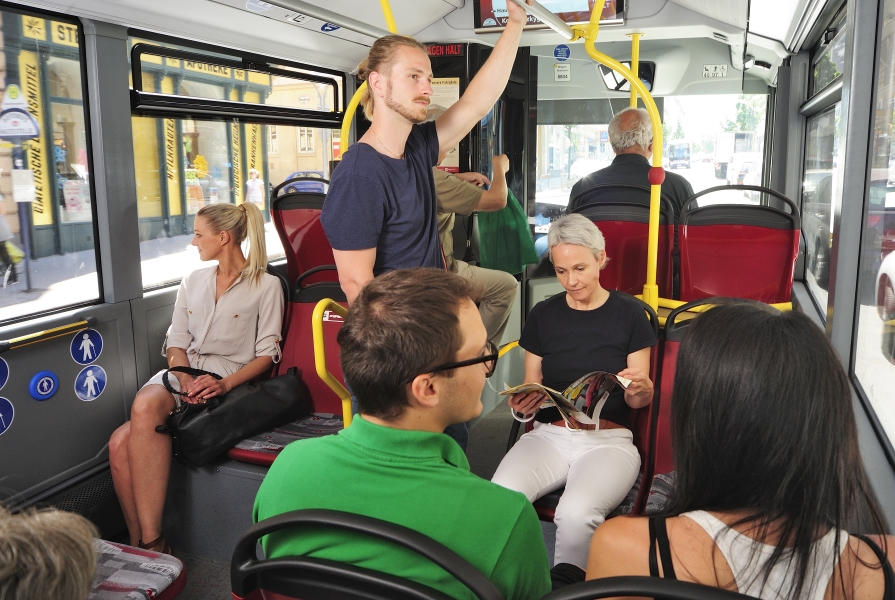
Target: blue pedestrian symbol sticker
[327, 27]
[562, 53]
[4, 373]
[43, 385]
[90, 383]
[6, 414]
[86, 346]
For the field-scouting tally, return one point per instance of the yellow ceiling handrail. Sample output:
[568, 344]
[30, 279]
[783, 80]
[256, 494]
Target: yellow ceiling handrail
[320, 354]
[635, 63]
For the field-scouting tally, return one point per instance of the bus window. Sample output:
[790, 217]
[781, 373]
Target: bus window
[874, 360]
[48, 254]
[702, 136]
[184, 164]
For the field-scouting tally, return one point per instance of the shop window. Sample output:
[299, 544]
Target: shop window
[184, 164]
[47, 246]
[874, 358]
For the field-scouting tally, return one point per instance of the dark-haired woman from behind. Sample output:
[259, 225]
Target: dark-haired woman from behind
[769, 473]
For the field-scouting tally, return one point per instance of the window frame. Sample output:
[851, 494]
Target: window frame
[81, 52]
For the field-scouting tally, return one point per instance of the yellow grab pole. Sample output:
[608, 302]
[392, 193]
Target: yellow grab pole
[349, 117]
[320, 354]
[656, 175]
[635, 63]
[389, 17]
[355, 99]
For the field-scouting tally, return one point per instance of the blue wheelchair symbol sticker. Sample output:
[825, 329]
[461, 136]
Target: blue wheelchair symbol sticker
[327, 27]
[6, 414]
[90, 383]
[43, 385]
[86, 346]
[4, 373]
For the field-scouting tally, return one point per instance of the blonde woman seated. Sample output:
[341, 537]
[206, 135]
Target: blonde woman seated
[569, 335]
[227, 320]
[769, 472]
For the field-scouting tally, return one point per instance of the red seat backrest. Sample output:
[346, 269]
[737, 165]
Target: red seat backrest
[622, 215]
[298, 349]
[740, 251]
[296, 216]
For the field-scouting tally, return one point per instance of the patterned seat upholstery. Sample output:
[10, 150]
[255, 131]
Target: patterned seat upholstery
[129, 573]
[263, 448]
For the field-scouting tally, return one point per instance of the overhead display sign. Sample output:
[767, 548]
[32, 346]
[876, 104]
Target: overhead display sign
[491, 15]
[437, 50]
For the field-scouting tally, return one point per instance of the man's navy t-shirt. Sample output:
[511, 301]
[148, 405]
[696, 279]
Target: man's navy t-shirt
[375, 201]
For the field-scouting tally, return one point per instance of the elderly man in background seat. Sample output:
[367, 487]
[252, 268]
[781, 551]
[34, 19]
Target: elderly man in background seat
[631, 137]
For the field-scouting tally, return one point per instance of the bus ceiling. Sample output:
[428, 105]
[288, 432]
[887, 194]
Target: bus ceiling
[279, 29]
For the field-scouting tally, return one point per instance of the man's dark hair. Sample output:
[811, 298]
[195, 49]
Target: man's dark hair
[400, 325]
[762, 425]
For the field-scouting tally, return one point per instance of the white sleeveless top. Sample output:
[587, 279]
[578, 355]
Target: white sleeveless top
[747, 558]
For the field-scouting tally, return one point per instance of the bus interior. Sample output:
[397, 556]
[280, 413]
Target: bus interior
[147, 111]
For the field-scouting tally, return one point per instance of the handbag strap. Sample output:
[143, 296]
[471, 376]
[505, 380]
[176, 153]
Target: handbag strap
[188, 371]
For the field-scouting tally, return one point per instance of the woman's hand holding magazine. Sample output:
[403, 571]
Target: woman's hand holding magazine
[579, 405]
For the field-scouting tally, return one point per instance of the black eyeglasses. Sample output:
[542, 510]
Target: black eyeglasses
[490, 360]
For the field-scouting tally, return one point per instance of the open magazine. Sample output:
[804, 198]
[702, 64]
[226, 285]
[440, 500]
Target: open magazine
[580, 404]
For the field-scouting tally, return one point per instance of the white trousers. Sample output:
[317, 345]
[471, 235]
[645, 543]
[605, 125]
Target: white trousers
[598, 469]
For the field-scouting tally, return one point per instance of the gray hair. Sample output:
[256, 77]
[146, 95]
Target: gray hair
[577, 230]
[630, 127]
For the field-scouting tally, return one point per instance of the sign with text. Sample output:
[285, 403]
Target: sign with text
[562, 72]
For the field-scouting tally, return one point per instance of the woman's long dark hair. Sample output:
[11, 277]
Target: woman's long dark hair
[762, 423]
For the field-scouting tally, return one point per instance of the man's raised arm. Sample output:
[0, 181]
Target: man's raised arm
[487, 86]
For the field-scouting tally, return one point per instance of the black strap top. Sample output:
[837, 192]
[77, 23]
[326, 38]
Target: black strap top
[660, 550]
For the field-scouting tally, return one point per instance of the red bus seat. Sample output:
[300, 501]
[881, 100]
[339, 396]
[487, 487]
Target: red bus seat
[675, 329]
[621, 212]
[129, 572]
[298, 351]
[295, 211]
[643, 421]
[738, 250]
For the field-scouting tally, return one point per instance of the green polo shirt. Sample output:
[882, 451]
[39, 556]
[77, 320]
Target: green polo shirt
[416, 479]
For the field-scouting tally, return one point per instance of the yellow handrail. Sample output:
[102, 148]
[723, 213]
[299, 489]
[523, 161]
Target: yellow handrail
[635, 63]
[589, 33]
[345, 131]
[42, 336]
[504, 349]
[320, 354]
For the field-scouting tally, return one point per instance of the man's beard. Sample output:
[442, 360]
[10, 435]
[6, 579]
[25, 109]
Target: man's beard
[413, 114]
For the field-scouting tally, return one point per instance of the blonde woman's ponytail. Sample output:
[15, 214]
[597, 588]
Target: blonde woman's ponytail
[257, 259]
[243, 222]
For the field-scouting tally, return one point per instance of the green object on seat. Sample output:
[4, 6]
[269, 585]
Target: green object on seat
[506, 243]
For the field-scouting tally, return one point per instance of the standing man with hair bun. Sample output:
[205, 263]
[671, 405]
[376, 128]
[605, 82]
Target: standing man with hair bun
[380, 212]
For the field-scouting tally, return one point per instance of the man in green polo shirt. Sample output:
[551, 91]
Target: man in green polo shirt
[393, 463]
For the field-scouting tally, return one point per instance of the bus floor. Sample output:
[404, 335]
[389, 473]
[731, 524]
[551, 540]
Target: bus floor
[210, 580]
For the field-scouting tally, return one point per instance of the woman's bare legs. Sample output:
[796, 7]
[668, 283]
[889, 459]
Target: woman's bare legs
[141, 463]
[121, 478]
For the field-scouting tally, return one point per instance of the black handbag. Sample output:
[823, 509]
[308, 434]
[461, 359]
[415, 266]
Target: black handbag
[202, 432]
